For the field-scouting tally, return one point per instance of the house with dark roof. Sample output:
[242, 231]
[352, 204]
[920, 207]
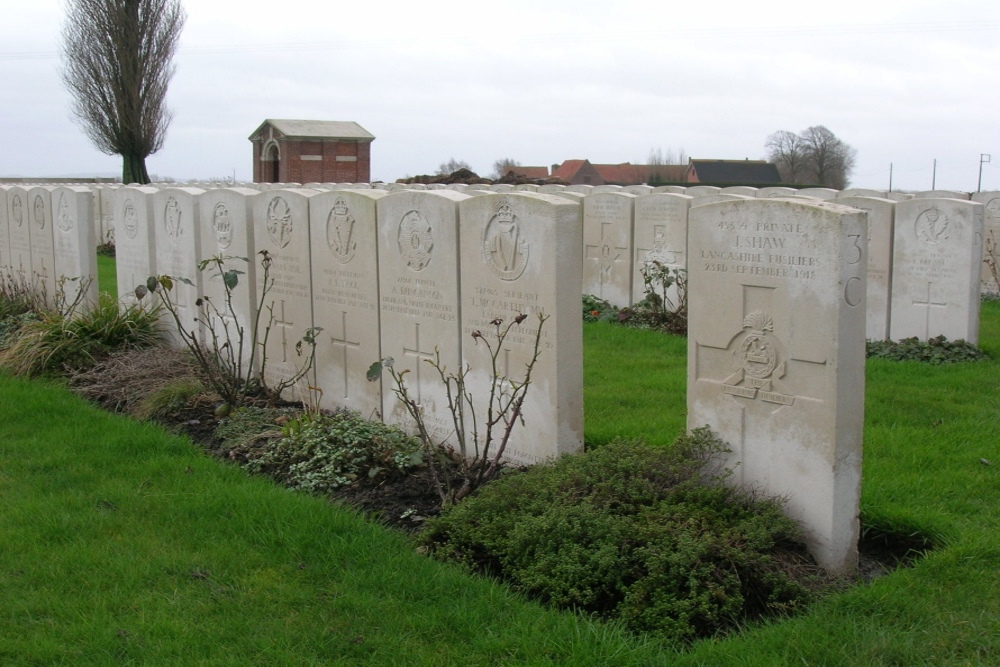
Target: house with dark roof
[732, 172]
[304, 151]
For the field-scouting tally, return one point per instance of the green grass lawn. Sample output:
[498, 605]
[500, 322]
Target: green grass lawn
[107, 275]
[121, 544]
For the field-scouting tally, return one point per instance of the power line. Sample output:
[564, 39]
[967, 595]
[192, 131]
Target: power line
[590, 38]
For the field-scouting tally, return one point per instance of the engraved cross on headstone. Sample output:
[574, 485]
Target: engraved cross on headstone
[744, 378]
[605, 255]
[757, 371]
[419, 357]
[344, 343]
[928, 304]
[285, 325]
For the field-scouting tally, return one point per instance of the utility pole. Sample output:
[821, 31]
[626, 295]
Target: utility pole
[983, 157]
[934, 176]
[890, 177]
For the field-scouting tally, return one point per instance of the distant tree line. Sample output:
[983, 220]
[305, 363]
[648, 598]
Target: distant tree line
[814, 156]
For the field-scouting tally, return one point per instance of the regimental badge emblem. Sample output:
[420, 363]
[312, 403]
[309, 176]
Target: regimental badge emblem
[757, 359]
[505, 249]
[416, 240]
[172, 221]
[16, 210]
[130, 221]
[39, 212]
[992, 209]
[63, 219]
[932, 226]
[279, 222]
[340, 232]
[222, 225]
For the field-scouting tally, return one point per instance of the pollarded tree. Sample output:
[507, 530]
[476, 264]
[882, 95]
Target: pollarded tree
[117, 63]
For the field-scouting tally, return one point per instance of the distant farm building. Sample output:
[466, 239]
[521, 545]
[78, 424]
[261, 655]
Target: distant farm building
[583, 172]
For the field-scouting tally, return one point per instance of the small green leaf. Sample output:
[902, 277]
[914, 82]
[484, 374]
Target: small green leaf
[374, 371]
[151, 283]
[231, 278]
[140, 292]
[167, 283]
[186, 281]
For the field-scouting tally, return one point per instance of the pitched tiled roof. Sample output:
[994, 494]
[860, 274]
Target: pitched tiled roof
[567, 170]
[312, 129]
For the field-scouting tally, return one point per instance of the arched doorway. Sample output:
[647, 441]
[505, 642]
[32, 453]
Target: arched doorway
[272, 164]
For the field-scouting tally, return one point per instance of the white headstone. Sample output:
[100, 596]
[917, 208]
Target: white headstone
[501, 187]
[819, 193]
[5, 264]
[716, 198]
[941, 194]
[75, 243]
[43, 254]
[606, 188]
[346, 298]
[701, 190]
[991, 236]
[881, 215]
[607, 246]
[226, 232]
[551, 188]
[420, 305]
[898, 196]
[936, 265]
[770, 193]
[671, 189]
[744, 190]
[862, 192]
[527, 187]
[177, 237]
[281, 227]
[521, 254]
[582, 189]
[776, 356]
[638, 189]
[134, 246]
[660, 235]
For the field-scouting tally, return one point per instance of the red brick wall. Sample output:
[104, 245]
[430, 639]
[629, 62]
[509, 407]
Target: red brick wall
[328, 169]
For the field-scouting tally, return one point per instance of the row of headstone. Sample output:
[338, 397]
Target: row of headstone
[47, 242]
[408, 275]
[925, 255]
[778, 305]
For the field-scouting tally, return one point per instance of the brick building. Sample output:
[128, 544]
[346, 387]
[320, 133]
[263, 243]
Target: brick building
[311, 151]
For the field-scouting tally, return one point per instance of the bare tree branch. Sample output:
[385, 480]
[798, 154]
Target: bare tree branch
[117, 64]
[814, 156]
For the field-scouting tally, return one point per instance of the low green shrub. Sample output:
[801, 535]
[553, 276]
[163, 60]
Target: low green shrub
[645, 535]
[938, 350]
[319, 453]
[54, 341]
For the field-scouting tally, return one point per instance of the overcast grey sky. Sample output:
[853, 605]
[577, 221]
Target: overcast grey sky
[904, 83]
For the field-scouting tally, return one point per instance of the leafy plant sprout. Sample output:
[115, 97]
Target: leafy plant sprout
[227, 353]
